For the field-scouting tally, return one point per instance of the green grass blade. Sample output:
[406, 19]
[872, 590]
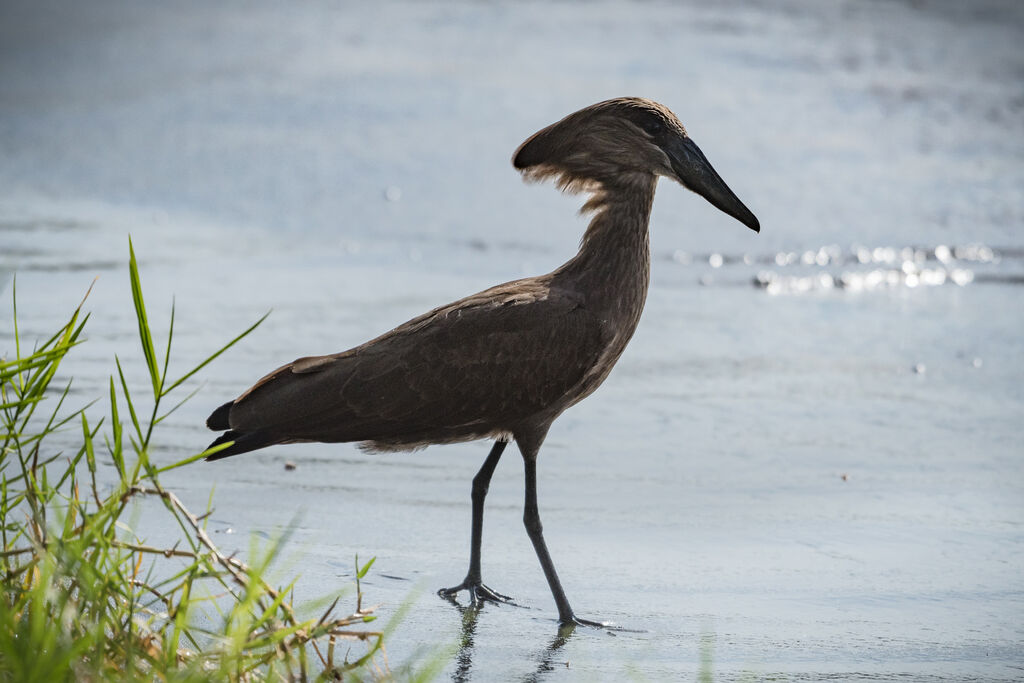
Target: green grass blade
[20, 402]
[220, 351]
[145, 335]
[170, 337]
[128, 399]
[90, 454]
[361, 571]
[14, 304]
[198, 456]
[116, 449]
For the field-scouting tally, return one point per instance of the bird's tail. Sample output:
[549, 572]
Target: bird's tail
[218, 420]
[243, 443]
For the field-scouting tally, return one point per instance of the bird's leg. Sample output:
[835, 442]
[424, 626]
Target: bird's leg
[534, 529]
[473, 582]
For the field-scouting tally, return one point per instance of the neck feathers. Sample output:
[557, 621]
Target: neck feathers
[612, 268]
[622, 212]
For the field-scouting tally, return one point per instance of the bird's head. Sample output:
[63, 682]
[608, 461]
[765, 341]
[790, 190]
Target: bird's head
[618, 141]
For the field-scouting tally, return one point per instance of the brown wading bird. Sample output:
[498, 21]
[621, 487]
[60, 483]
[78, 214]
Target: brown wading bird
[506, 362]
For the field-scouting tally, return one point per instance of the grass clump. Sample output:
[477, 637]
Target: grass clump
[84, 597]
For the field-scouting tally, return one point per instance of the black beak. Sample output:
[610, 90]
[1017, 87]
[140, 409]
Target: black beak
[695, 172]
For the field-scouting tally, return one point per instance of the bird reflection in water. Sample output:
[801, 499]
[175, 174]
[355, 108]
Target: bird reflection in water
[464, 656]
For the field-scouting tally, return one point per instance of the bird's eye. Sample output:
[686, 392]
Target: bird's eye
[652, 126]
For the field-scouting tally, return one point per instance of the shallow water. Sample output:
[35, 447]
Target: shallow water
[808, 463]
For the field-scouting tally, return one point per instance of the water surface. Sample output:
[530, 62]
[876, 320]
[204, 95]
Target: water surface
[808, 463]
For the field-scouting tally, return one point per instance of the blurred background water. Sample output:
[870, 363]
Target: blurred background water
[810, 457]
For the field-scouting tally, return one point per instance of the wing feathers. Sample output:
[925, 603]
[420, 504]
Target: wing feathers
[470, 368]
[312, 364]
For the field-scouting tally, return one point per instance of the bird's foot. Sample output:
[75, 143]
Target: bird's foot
[574, 620]
[478, 594]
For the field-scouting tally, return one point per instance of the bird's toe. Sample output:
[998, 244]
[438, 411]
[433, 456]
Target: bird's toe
[573, 621]
[579, 621]
[478, 594]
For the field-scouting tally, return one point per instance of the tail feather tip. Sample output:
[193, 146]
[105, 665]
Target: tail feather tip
[243, 443]
[218, 420]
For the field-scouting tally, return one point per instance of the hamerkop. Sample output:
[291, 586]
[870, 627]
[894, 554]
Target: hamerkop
[504, 363]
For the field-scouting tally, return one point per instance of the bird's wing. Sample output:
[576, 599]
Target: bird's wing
[476, 365]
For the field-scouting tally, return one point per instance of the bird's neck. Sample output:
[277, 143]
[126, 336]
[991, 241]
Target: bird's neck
[612, 268]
